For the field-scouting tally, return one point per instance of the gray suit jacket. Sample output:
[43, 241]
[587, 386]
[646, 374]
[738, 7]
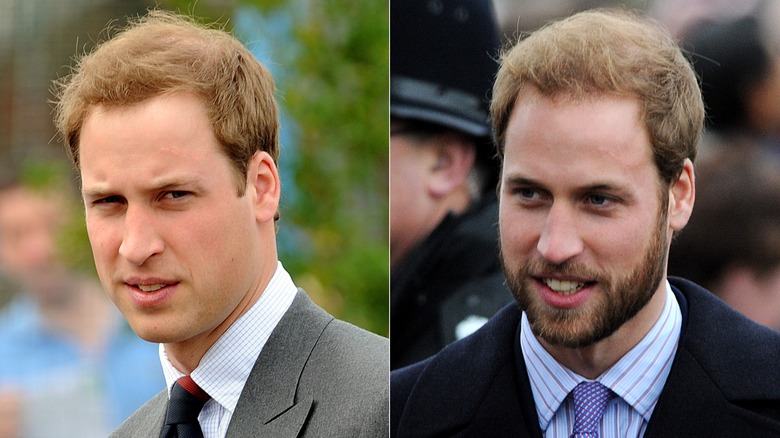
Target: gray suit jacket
[316, 377]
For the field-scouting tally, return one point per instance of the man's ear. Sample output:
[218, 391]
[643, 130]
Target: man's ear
[263, 181]
[682, 195]
[455, 155]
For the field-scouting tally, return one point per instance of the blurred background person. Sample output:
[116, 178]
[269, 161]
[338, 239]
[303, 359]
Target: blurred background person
[71, 366]
[679, 15]
[732, 242]
[740, 78]
[731, 245]
[446, 278]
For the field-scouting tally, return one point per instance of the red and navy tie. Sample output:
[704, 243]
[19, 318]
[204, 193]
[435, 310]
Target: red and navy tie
[181, 418]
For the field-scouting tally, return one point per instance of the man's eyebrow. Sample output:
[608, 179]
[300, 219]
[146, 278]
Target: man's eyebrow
[166, 184]
[519, 180]
[172, 183]
[95, 193]
[602, 187]
[599, 186]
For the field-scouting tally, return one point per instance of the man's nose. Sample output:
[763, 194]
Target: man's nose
[559, 240]
[140, 239]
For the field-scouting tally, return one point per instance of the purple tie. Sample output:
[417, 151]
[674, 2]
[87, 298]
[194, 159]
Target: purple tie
[590, 400]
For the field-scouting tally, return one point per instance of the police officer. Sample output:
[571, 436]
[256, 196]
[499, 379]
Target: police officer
[446, 277]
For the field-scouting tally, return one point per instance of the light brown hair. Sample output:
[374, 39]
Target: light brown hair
[163, 53]
[609, 51]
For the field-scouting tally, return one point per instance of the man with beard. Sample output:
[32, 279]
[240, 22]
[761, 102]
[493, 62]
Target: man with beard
[597, 119]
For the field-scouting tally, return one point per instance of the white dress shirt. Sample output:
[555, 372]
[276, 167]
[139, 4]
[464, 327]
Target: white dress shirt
[637, 379]
[225, 367]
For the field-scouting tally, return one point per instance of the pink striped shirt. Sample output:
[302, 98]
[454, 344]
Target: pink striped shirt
[637, 379]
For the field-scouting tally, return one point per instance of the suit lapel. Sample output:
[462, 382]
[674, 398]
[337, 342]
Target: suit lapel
[269, 405]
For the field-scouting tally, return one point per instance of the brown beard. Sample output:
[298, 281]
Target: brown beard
[619, 299]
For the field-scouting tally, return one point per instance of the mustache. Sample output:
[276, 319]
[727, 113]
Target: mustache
[543, 268]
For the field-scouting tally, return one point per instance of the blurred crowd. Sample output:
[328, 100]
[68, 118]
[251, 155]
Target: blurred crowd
[732, 243]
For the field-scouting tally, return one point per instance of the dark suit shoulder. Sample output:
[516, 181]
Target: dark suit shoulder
[468, 382]
[739, 354]
[724, 379]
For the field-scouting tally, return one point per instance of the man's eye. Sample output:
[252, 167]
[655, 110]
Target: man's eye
[176, 194]
[108, 200]
[598, 200]
[527, 193]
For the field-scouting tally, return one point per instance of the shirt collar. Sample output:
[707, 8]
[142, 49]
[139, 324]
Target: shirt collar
[638, 377]
[226, 366]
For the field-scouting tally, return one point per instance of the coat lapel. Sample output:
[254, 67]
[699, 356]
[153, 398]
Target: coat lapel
[718, 382]
[269, 405]
[487, 394]
[692, 405]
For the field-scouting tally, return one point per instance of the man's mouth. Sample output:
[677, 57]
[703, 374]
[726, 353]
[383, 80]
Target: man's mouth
[563, 287]
[151, 287]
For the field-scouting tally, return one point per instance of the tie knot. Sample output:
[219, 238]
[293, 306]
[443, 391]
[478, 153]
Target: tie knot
[187, 383]
[590, 400]
[184, 406]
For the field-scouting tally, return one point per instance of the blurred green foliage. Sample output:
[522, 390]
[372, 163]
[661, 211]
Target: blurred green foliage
[336, 89]
[338, 94]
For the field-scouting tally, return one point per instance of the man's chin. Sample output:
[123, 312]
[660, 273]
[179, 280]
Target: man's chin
[155, 337]
[561, 333]
[570, 328]
[569, 339]
[151, 329]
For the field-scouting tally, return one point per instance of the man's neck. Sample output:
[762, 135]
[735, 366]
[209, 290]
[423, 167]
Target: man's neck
[186, 355]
